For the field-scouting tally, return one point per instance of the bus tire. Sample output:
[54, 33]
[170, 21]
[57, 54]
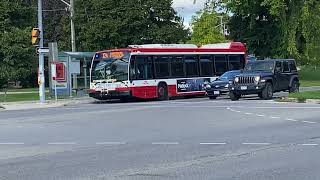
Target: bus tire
[162, 91]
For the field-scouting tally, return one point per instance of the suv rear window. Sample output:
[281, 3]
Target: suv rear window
[286, 66]
[292, 66]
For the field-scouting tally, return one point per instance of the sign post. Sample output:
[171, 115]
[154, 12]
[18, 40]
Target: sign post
[54, 78]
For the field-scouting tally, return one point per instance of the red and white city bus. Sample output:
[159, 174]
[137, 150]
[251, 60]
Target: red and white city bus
[161, 70]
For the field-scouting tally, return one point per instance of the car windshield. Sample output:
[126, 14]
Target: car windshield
[110, 69]
[228, 75]
[260, 66]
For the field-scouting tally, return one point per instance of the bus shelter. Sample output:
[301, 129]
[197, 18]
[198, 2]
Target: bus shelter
[73, 73]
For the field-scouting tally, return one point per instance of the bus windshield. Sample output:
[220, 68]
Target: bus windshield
[109, 69]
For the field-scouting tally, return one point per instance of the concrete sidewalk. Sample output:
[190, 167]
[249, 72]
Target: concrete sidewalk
[37, 105]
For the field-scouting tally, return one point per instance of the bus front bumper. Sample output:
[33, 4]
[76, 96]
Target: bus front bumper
[109, 95]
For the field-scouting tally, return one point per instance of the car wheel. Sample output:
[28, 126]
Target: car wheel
[212, 97]
[162, 92]
[294, 87]
[234, 96]
[267, 92]
[260, 95]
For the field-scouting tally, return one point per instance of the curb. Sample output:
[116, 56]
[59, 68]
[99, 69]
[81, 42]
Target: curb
[296, 100]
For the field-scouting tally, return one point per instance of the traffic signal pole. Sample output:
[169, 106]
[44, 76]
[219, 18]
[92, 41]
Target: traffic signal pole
[41, 79]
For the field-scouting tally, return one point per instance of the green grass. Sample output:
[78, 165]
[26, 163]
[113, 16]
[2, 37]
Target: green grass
[24, 90]
[20, 97]
[306, 95]
[305, 83]
[309, 76]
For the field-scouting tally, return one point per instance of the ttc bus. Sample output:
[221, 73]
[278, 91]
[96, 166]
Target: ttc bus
[161, 70]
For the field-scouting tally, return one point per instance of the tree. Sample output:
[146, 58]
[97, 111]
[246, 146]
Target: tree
[206, 27]
[17, 56]
[105, 24]
[277, 28]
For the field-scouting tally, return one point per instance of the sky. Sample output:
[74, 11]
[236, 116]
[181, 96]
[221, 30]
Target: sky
[187, 9]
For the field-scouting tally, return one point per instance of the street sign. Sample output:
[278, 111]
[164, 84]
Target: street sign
[53, 71]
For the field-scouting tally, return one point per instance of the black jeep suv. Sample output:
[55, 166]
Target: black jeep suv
[264, 77]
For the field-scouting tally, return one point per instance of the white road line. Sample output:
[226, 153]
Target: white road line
[165, 143]
[209, 143]
[308, 144]
[256, 143]
[12, 143]
[62, 143]
[260, 115]
[274, 117]
[289, 119]
[248, 113]
[238, 111]
[110, 143]
[310, 122]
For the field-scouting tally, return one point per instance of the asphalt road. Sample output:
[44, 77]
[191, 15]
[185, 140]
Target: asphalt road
[187, 139]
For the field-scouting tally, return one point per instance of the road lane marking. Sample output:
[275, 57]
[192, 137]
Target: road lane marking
[111, 143]
[308, 144]
[12, 143]
[256, 143]
[274, 117]
[209, 143]
[62, 143]
[310, 122]
[164, 143]
[248, 113]
[289, 119]
[260, 115]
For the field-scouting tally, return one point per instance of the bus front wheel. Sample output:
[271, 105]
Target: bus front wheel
[163, 92]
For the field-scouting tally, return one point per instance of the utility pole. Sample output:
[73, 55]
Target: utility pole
[41, 79]
[221, 25]
[73, 34]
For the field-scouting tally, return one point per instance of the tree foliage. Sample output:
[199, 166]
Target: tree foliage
[117, 23]
[277, 28]
[206, 26]
[17, 56]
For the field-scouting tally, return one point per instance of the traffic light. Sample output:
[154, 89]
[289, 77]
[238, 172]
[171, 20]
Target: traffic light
[35, 36]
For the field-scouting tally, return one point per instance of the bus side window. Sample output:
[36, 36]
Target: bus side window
[234, 62]
[161, 64]
[144, 68]
[206, 66]
[149, 68]
[132, 68]
[177, 67]
[220, 64]
[192, 66]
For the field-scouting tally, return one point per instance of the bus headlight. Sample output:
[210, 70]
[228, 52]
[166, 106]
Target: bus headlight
[236, 79]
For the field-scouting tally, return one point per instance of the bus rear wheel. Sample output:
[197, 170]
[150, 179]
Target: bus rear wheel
[162, 92]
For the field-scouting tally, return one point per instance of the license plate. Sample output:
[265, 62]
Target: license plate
[216, 92]
[243, 87]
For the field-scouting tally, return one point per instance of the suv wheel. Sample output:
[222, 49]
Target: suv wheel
[234, 96]
[267, 92]
[294, 87]
[212, 97]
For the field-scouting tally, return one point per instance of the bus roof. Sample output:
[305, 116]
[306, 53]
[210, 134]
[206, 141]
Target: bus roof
[183, 48]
